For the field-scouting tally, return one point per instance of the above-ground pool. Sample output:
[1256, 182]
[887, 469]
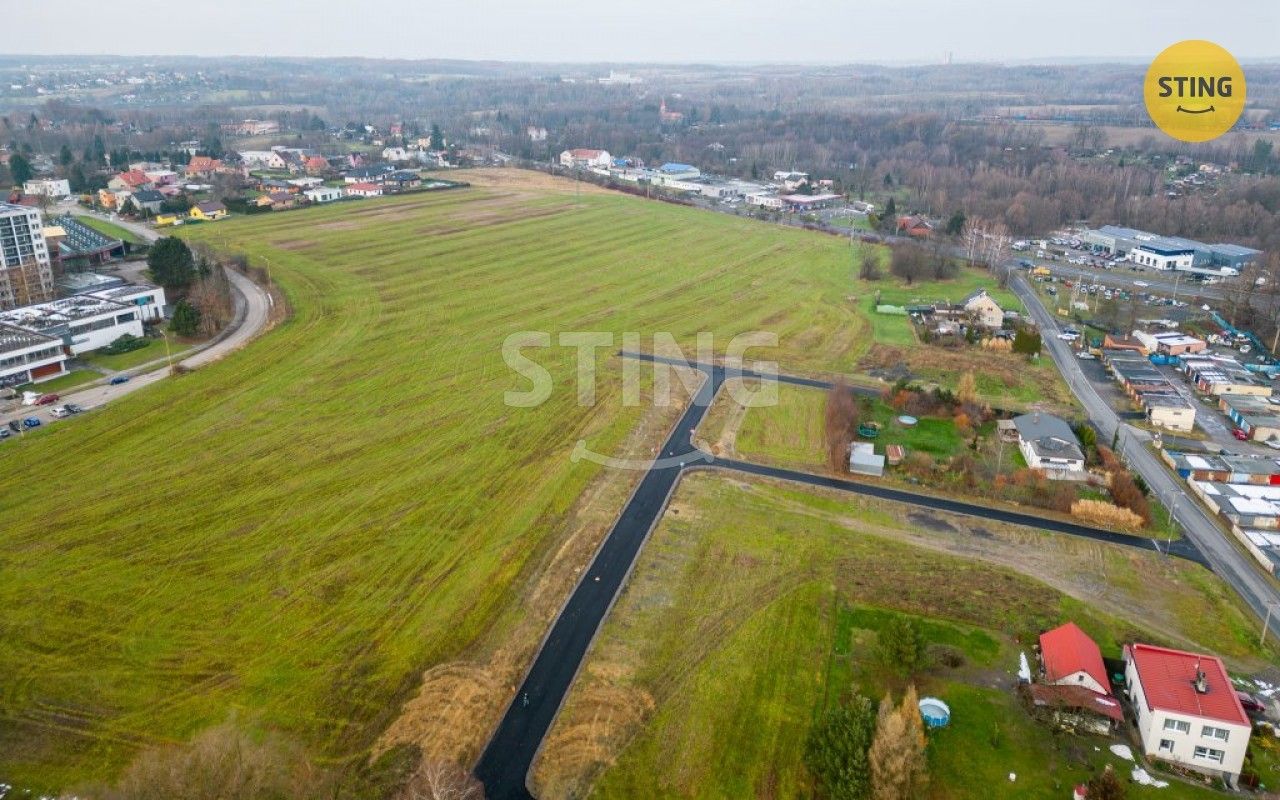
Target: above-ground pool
[907, 421]
[935, 712]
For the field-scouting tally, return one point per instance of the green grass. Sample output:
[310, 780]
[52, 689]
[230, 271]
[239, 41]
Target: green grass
[153, 351]
[110, 229]
[754, 606]
[69, 381]
[295, 532]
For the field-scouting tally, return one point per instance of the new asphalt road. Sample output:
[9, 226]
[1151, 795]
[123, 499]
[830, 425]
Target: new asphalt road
[1233, 566]
[504, 765]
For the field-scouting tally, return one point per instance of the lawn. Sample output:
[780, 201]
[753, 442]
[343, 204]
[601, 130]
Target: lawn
[154, 350]
[64, 383]
[752, 607]
[110, 229]
[296, 532]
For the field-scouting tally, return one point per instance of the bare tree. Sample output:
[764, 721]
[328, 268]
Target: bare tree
[842, 416]
[441, 780]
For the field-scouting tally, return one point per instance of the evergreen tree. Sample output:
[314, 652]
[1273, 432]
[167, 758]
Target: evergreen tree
[437, 138]
[186, 319]
[171, 263]
[20, 169]
[956, 224]
[889, 218]
[836, 750]
[901, 645]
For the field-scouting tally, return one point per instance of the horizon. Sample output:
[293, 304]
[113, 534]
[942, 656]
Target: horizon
[713, 32]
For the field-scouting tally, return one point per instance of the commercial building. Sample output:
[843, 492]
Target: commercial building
[27, 357]
[86, 322]
[1169, 411]
[1170, 343]
[26, 271]
[1259, 417]
[585, 158]
[1222, 376]
[1172, 252]
[1186, 710]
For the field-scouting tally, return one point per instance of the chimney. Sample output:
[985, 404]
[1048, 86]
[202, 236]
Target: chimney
[1201, 682]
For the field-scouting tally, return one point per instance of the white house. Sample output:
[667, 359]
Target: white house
[984, 307]
[397, 154]
[323, 194]
[1048, 444]
[1068, 657]
[363, 190]
[262, 159]
[584, 158]
[47, 187]
[1187, 709]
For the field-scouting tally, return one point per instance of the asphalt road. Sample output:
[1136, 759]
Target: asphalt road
[1180, 548]
[252, 309]
[1233, 566]
[505, 763]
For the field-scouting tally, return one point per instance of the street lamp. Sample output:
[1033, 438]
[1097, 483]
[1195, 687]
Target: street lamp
[1266, 622]
[167, 353]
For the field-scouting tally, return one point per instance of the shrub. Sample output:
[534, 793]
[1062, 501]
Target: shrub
[1127, 495]
[1102, 513]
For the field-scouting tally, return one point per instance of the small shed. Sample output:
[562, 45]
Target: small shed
[1008, 431]
[863, 459]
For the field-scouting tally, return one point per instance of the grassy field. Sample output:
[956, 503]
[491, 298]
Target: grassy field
[296, 532]
[154, 350]
[752, 607]
[64, 383]
[109, 229]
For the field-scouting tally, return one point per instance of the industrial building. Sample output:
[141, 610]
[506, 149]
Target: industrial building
[27, 357]
[1259, 417]
[1172, 252]
[86, 322]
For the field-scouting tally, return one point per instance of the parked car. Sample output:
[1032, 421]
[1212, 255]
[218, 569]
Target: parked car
[1274, 444]
[1239, 434]
[119, 379]
[46, 399]
[73, 408]
[1068, 337]
[60, 412]
[4, 433]
[1141, 284]
[31, 422]
[1250, 703]
[1085, 355]
[14, 425]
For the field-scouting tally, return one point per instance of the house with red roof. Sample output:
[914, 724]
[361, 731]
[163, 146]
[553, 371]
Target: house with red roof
[1068, 657]
[1187, 709]
[584, 158]
[130, 181]
[202, 167]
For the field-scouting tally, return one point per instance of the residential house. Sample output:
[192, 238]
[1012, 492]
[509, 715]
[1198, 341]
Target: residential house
[1187, 709]
[129, 181]
[536, 133]
[396, 154]
[984, 308]
[363, 190]
[376, 173]
[209, 211]
[147, 201]
[262, 159]
[1048, 444]
[203, 167]
[583, 158]
[316, 165]
[403, 180]
[323, 194]
[47, 187]
[1068, 657]
[161, 177]
[915, 226]
[1075, 708]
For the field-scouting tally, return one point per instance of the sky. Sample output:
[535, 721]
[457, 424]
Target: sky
[667, 31]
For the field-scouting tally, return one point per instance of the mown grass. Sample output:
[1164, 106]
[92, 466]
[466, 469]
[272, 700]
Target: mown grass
[746, 615]
[153, 350]
[110, 229]
[297, 531]
[71, 380]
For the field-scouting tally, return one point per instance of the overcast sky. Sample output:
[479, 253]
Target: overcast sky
[738, 31]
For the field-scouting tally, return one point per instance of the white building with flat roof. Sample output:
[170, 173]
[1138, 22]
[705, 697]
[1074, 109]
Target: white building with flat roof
[47, 187]
[82, 323]
[27, 357]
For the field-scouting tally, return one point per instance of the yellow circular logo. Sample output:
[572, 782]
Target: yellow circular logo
[1194, 91]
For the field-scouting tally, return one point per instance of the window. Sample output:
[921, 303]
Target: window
[1215, 733]
[1166, 746]
[1209, 754]
[1181, 726]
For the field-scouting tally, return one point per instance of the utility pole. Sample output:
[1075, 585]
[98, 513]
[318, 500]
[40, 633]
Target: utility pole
[1262, 640]
[1168, 542]
[167, 354]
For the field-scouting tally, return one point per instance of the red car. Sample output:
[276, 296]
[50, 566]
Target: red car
[1250, 703]
[1239, 434]
[46, 399]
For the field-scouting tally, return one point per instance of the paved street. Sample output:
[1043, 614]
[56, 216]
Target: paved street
[1233, 566]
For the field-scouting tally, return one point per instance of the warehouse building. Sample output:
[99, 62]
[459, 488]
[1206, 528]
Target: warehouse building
[1172, 252]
